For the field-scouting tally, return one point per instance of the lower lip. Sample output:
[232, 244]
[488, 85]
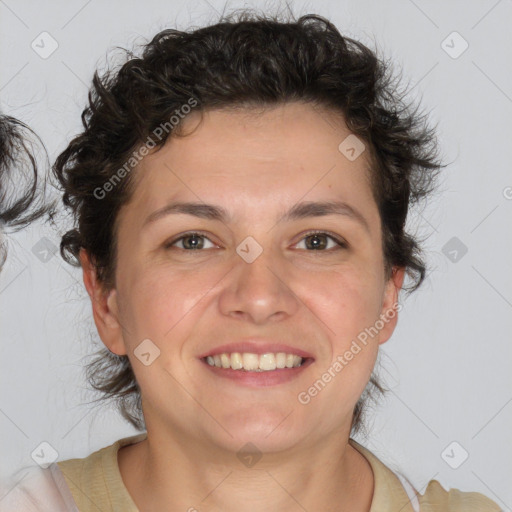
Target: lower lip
[260, 379]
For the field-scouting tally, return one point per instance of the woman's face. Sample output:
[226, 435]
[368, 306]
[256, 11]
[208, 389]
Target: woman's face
[253, 277]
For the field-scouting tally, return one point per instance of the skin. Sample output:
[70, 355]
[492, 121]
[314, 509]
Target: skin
[256, 166]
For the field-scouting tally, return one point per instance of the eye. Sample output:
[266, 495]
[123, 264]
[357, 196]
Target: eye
[318, 240]
[315, 240]
[190, 242]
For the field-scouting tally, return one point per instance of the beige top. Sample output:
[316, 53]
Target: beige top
[96, 484]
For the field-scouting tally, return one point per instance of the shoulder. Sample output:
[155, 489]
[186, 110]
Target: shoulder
[34, 489]
[95, 481]
[438, 499]
[392, 490]
[82, 470]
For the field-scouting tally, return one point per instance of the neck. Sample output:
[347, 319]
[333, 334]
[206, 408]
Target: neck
[165, 472]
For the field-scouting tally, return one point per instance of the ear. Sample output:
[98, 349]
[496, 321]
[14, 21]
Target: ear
[104, 307]
[390, 308]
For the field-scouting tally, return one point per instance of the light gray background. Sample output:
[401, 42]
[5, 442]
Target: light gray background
[449, 361]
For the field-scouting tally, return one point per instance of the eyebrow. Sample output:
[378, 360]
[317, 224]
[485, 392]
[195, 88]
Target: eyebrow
[298, 211]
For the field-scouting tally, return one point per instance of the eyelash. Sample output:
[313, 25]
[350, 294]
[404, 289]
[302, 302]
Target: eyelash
[341, 243]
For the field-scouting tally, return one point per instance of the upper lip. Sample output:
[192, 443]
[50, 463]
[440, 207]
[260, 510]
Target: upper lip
[256, 346]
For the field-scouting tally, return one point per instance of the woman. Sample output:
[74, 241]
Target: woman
[240, 195]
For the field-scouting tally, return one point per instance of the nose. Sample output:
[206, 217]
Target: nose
[260, 291]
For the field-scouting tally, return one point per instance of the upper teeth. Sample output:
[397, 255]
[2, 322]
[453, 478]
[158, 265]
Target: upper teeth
[254, 362]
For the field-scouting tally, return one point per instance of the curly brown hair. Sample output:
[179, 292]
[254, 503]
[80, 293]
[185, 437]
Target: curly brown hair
[23, 186]
[246, 59]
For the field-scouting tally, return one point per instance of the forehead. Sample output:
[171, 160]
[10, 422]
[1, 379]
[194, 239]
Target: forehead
[245, 158]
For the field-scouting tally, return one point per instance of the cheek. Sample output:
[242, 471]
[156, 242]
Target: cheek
[162, 307]
[349, 306]
[348, 300]
[346, 304]
[157, 301]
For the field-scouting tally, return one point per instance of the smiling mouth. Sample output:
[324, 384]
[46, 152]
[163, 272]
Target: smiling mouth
[251, 362]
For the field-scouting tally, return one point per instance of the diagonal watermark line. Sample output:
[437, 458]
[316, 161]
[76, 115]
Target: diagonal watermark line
[63, 267]
[424, 14]
[75, 74]
[493, 287]
[80, 490]
[123, 327]
[280, 423]
[291, 496]
[202, 297]
[76, 424]
[323, 116]
[313, 186]
[216, 487]
[168, 167]
[416, 211]
[185, 185]
[492, 211]
[492, 81]
[14, 76]
[13, 279]
[418, 493]
[14, 423]
[497, 497]
[171, 170]
[486, 14]
[424, 76]
[492, 418]
[199, 403]
[414, 413]
[428, 222]
[300, 299]
[75, 15]
[12, 12]
[13, 487]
